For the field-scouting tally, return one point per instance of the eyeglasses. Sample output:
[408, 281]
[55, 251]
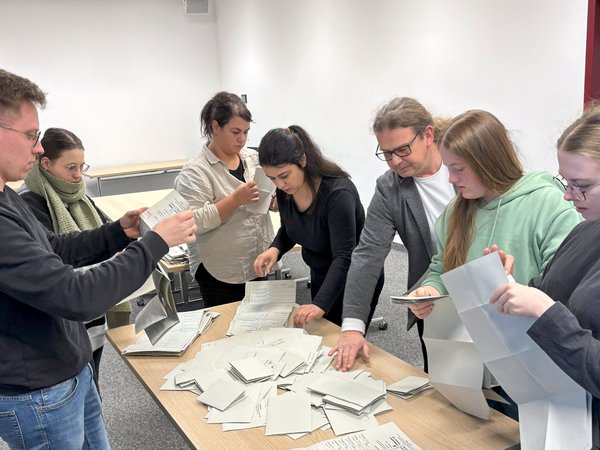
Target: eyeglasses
[83, 168]
[34, 137]
[402, 151]
[577, 191]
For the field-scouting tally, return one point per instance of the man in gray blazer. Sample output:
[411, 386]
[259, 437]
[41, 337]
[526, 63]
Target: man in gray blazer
[408, 199]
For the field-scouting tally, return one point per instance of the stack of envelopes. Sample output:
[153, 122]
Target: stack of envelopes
[409, 387]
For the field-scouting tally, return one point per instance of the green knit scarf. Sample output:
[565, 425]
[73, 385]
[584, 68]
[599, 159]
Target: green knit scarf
[70, 209]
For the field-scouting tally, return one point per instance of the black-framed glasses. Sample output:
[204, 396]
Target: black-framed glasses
[576, 190]
[402, 151]
[72, 168]
[34, 137]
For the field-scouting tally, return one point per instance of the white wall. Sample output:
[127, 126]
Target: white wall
[129, 77]
[329, 64]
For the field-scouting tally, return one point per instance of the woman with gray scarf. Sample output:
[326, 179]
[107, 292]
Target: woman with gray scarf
[56, 195]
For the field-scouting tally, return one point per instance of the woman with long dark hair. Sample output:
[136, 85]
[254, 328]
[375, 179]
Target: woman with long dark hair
[320, 210]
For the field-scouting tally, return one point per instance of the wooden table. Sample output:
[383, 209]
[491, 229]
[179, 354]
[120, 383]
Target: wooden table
[104, 173]
[428, 419]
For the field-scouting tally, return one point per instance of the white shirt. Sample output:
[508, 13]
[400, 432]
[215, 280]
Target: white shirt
[435, 192]
[226, 248]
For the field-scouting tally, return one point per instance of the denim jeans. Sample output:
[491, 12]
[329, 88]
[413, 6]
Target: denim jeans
[67, 415]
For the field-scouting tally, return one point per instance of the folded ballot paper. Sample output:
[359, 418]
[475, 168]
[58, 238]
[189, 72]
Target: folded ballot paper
[170, 205]
[553, 410]
[237, 378]
[265, 189]
[160, 313]
[406, 300]
[409, 387]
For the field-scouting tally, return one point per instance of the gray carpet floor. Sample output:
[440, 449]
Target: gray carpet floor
[133, 419]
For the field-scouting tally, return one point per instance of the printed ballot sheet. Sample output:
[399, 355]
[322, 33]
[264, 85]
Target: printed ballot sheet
[170, 205]
[383, 437]
[554, 411]
[265, 189]
[266, 304]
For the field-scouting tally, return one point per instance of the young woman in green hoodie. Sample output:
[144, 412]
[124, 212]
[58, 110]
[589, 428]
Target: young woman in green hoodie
[525, 215]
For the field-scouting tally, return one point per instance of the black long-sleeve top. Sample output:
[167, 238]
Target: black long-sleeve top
[43, 300]
[569, 332]
[328, 231]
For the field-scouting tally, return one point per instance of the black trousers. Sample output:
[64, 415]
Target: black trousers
[215, 292]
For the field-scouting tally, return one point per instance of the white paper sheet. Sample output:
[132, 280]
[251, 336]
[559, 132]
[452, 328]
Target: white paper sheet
[551, 404]
[383, 437]
[170, 205]
[455, 367]
[222, 394]
[288, 413]
[265, 189]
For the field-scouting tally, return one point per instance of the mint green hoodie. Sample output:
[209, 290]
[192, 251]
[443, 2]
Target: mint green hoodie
[529, 222]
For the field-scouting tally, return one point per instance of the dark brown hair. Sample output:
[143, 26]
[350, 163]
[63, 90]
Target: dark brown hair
[222, 107]
[282, 146]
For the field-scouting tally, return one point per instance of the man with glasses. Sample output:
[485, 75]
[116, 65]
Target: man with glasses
[408, 199]
[47, 396]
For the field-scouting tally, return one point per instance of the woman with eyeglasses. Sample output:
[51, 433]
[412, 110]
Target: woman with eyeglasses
[566, 300]
[524, 214]
[320, 210]
[56, 195]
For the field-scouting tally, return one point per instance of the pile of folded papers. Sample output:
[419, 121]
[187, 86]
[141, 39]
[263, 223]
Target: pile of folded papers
[178, 338]
[409, 387]
[177, 254]
[237, 378]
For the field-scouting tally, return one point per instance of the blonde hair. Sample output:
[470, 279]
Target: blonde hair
[582, 137]
[480, 139]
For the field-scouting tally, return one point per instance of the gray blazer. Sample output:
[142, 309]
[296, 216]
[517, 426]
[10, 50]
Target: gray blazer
[395, 207]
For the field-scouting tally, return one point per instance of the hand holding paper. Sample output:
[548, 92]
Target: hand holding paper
[264, 188]
[422, 310]
[508, 261]
[170, 205]
[410, 300]
[131, 223]
[518, 300]
[178, 229]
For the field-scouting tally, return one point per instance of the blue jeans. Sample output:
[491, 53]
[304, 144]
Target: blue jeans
[67, 415]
